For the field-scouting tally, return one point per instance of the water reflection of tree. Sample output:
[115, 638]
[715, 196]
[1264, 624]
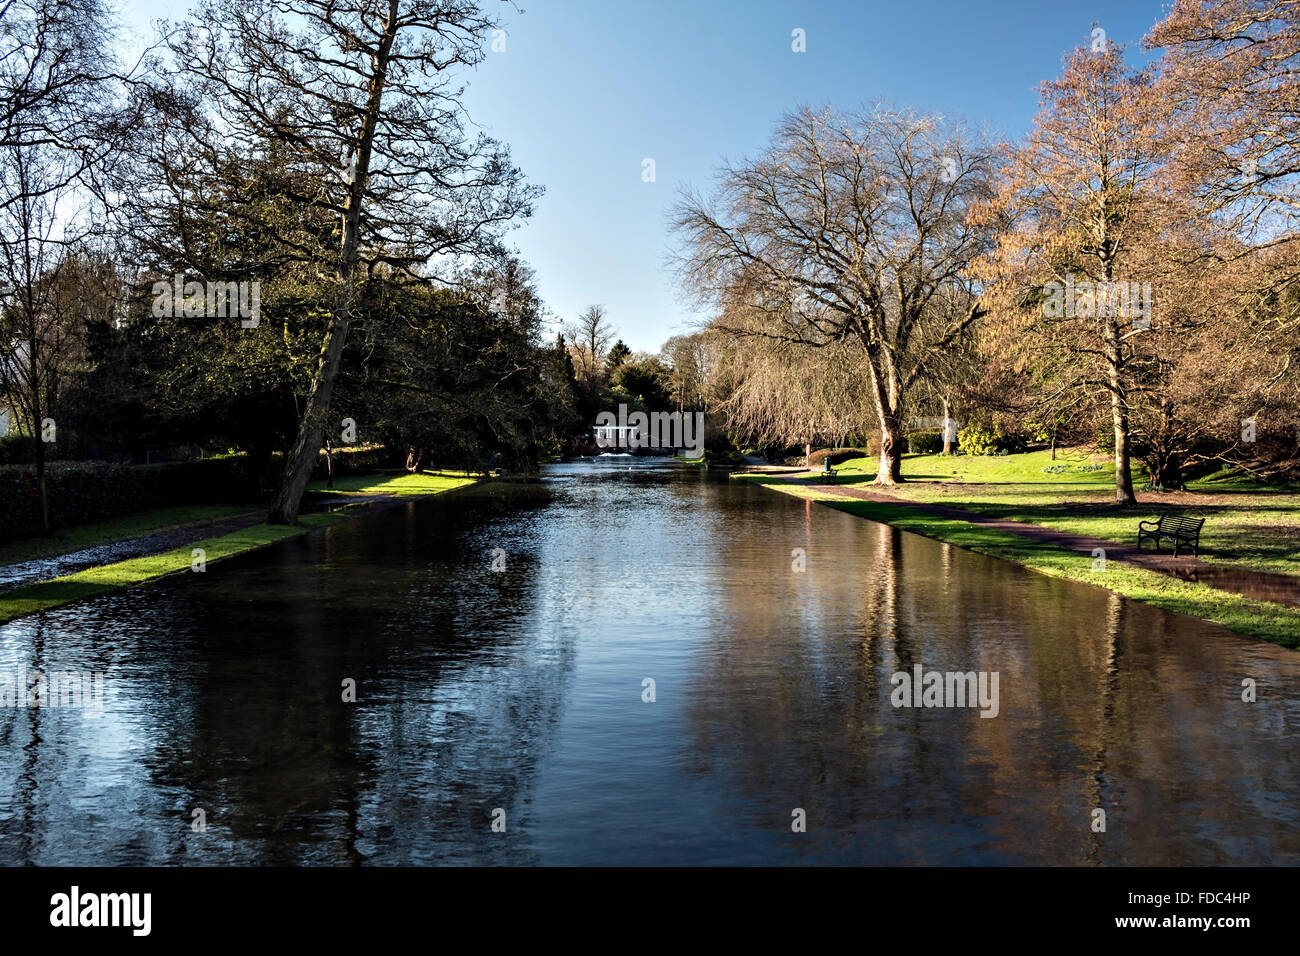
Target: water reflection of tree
[61, 787]
[1108, 692]
[453, 711]
[1103, 703]
[23, 825]
[794, 694]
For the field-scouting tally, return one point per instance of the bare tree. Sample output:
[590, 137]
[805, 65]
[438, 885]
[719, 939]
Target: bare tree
[365, 95]
[59, 124]
[784, 393]
[693, 362]
[1228, 78]
[848, 227]
[589, 339]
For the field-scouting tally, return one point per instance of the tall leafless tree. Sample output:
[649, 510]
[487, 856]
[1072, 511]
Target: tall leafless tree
[1074, 201]
[848, 227]
[589, 337]
[60, 123]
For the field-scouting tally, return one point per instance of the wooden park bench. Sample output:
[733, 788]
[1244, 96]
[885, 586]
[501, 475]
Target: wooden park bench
[1178, 528]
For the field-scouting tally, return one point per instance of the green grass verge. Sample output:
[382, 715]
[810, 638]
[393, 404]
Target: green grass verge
[1260, 619]
[99, 533]
[92, 582]
[1247, 525]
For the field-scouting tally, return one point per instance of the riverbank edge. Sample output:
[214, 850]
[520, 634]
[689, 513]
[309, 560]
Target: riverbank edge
[1262, 620]
[133, 572]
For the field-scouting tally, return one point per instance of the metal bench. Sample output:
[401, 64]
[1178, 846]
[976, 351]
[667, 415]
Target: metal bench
[1179, 528]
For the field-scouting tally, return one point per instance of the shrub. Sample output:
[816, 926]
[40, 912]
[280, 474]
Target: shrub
[838, 456]
[352, 460]
[15, 449]
[982, 439]
[925, 441]
[976, 439]
[1037, 432]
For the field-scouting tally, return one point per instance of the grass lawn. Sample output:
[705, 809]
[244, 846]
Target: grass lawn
[401, 485]
[93, 582]
[1247, 525]
[1261, 619]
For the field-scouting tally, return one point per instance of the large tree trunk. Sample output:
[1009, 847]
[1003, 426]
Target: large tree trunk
[892, 443]
[1164, 462]
[306, 449]
[888, 400]
[1123, 459]
[1119, 414]
[42, 492]
[1166, 470]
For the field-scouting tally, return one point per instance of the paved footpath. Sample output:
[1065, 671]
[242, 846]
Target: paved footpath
[1281, 588]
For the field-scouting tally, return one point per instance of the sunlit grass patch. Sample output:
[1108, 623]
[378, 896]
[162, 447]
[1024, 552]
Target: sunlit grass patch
[93, 582]
[401, 485]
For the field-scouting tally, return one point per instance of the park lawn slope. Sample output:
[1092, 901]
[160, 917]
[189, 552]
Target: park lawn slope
[1260, 619]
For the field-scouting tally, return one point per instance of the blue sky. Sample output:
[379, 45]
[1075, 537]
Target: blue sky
[585, 90]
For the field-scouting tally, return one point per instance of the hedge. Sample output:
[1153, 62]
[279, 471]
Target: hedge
[79, 492]
[88, 491]
[353, 460]
[840, 455]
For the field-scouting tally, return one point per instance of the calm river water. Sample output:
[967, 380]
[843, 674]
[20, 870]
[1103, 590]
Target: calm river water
[517, 696]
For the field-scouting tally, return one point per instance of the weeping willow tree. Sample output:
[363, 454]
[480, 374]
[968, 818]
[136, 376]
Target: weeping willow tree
[782, 393]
